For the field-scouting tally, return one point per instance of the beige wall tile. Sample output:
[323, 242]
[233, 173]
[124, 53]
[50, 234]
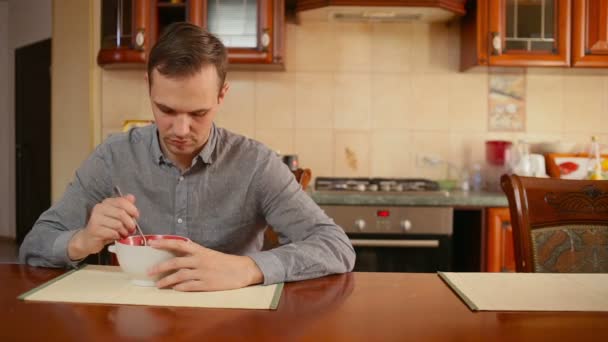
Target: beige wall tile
[544, 107]
[353, 46]
[278, 140]
[392, 102]
[431, 49]
[315, 47]
[584, 103]
[352, 93]
[391, 153]
[124, 93]
[315, 149]
[430, 104]
[466, 150]
[237, 113]
[391, 47]
[290, 47]
[314, 100]
[351, 155]
[468, 102]
[275, 100]
[434, 145]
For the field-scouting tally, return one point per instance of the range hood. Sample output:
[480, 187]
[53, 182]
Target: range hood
[380, 10]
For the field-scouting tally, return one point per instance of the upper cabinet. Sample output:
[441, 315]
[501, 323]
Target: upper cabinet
[252, 30]
[590, 33]
[529, 32]
[560, 33]
[516, 33]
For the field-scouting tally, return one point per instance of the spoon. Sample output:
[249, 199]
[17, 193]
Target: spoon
[117, 190]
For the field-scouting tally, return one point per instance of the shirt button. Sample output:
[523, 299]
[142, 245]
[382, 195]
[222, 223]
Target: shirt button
[179, 220]
[181, 178]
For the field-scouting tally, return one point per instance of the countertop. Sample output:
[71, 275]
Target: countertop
[441, 198]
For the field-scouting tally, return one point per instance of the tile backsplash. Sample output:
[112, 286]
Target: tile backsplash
[370, 99]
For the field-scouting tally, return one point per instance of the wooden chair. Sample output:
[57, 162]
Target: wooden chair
[271, 240]
[559, 226]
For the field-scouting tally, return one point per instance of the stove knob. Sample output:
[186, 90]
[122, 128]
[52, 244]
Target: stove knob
[406, 225]
[360, 224]
[360, 187]
[372, 187]
[385, 187]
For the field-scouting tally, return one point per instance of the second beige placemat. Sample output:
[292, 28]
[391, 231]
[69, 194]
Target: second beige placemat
[530, 291]
[108, 285]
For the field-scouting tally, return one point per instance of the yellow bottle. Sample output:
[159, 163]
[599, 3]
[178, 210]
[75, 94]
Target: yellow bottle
[595, 161]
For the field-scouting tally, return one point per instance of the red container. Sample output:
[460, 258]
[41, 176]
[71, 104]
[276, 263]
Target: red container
[496, 151]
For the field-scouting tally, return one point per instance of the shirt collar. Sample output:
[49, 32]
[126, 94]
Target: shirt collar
[206, 154]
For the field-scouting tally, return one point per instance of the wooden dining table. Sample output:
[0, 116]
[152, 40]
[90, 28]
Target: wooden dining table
[347, 307]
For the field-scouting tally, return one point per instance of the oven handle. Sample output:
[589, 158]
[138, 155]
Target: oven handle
[395, 243]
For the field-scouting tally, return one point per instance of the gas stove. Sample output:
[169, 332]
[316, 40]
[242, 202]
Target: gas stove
[375, 185]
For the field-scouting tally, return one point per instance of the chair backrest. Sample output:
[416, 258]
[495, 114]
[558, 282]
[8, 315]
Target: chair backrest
[559, 226]
[303, 177]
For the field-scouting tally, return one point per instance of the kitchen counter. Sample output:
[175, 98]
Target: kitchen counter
[446, 199]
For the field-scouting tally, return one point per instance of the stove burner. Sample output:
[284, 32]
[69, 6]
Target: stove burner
[375, 184]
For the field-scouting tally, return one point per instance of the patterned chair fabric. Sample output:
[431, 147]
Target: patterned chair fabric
[571, 249]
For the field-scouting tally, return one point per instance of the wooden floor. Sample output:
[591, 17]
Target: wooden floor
[8, 251]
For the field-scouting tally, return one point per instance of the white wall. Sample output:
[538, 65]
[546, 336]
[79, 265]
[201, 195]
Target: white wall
[22, 22]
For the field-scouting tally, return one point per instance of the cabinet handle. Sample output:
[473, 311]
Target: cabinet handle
[496, 43]
[140, 39]
[265, 39]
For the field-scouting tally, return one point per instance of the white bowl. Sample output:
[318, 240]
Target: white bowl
[135, 259]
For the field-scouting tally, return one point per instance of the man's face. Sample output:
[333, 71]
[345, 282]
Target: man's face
[184, 109]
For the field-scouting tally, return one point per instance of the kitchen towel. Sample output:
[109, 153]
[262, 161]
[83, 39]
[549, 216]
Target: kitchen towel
[530, 291]
[109, 285]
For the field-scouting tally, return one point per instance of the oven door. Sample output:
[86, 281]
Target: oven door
[425, 253]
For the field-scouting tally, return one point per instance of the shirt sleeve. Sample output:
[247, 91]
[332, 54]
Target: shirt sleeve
[46, 244]
[312, 244]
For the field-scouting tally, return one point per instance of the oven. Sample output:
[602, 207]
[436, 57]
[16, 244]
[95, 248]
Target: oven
[397, 239]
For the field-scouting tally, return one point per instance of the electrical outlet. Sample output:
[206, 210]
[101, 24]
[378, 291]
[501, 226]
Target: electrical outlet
[424, 160]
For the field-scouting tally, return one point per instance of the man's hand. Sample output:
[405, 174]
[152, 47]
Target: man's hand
[110, 220]
[203, 269]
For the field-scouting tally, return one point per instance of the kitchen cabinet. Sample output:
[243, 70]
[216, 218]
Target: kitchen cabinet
[123, 32]
[516, 33]
[500, 256]
[252, 30]
[590, 33]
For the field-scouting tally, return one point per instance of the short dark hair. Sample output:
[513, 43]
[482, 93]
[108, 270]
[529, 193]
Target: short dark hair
[183, 49]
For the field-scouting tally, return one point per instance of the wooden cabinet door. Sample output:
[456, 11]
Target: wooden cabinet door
[590, 33]
[529, 32]
[252, 30]
[124, 32]
[500, 253]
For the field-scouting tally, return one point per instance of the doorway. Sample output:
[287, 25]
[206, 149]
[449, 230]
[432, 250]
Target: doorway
[32, 133]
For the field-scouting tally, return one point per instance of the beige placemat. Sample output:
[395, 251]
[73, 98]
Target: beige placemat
[108, 285]
[530, 291]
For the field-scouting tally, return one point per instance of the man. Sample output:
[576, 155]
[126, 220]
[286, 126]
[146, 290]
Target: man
[185, 176]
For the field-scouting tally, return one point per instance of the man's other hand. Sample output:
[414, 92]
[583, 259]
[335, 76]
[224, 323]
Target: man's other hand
[202, 269]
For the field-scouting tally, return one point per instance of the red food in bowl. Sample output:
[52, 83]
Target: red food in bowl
[137, 240]
[567, 168]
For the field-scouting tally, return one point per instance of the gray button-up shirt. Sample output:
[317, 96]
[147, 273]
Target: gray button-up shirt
[234, 188]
